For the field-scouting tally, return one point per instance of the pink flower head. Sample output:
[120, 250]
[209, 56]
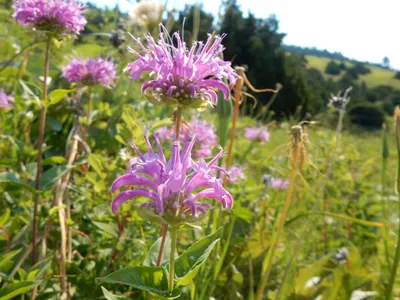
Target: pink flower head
[257, 133]
[279, 184]
[58, 16]
[180, 75]
[173, 187]
[90, 71]
[204, 132]
[5, 100]
[236, 174]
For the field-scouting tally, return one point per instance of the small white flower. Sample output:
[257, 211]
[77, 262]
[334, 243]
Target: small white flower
[359, 295]
[313, 281]
[48, 81]
[146, 12]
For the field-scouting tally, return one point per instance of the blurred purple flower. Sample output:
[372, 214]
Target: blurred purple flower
[279, 184]
[58, 16]
[181, 75]
[204, 132]
[257, 133]
[5, 100]
[90, 71]
[236, 174]
[172, 187]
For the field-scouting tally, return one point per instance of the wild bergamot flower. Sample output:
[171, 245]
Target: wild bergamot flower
[187, 77]
[175, 187]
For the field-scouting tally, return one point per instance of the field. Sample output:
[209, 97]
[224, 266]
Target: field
[108, 191]
[378, 76]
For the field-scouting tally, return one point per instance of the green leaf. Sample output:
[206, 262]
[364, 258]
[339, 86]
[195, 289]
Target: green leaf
[111, 296]
[108, 228]
[30, 92]
[150, 279]
[189, 262]
[152, 255]
[5, 216]
[96, 162]
[57, 95]
[5, 261]
[15, 289]
[53, 160]
[49, 178]
[10, 179]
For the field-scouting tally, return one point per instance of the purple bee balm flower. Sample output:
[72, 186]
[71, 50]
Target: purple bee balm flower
[90, 71]
[57, 16]
[173, 187]
[257, 133]
[5, 100]
[188, 77]
[236, 174]
[279, 184]
[204, 132]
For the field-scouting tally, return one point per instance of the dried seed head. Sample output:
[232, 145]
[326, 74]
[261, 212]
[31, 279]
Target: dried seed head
[339, 102]
[297, 133]
[397, 124]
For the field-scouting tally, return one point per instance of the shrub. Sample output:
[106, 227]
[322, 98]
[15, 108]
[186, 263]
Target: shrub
[332, 68]
[367, 114]
[397, 75]
[361, 69]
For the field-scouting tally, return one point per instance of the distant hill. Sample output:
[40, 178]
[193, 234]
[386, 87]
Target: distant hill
[312, 51]
[377, 76]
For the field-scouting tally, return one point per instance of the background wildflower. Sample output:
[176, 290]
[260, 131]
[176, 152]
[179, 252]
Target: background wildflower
[257, 133]
[90, 71]
[204, 131]
[57, 16]
[6, 99]
[146, 13]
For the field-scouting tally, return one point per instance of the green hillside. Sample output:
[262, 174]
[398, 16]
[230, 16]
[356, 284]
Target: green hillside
[378, 76]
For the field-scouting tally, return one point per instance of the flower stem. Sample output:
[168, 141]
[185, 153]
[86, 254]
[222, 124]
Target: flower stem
[178, 121]
[389, 289]
[174, 236]
[40, 150]
[89, 103]
[295, 161]
[164, 227]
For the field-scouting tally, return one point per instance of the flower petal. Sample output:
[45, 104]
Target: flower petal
[128, 195]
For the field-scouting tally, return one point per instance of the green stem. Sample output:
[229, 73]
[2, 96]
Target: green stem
[174, 235]
[392, 279]
[42, 124]
[164, 227]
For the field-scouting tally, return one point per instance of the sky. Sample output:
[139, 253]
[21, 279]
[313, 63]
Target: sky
[363, 30]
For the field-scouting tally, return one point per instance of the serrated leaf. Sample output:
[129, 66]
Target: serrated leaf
[189, 262]
[150, 279]
[15, 289]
